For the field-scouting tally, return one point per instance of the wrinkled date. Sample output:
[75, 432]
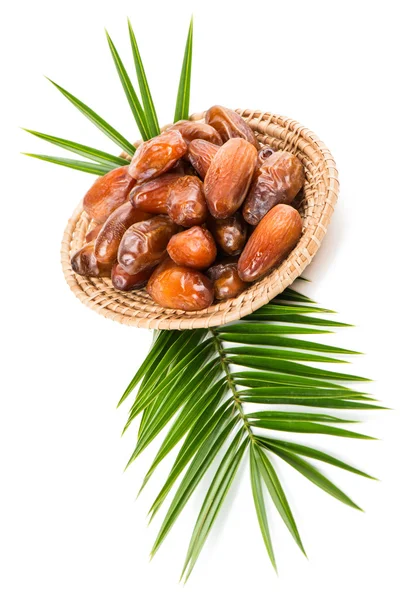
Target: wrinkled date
[144, 244]
[229, 124]
[152, 196]
[125, 282]
[226, 281]
[272, 240]
[200, 155]
[109, 238]
[193, 248]
[277, 181]
[264, 153]
[157, 156]
[192, 130]
[186, 202]
[108, 193]
[230, 233]
[84, 263]
[229, 176]
[180, 288]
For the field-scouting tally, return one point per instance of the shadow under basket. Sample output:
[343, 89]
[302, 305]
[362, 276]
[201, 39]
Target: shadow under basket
[320, 194]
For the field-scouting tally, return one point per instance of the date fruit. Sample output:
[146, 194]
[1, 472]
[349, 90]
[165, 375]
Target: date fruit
[109, 238]
[272, 240]
[200, 155]
[228, 178]
[180, 288]
[264, 153]
[157, 156]
[277, 181]
[193, 248]
[124, 282]
[226, 281]
[152, 196]
[192, 130]
[144, 244]
[230, 125]
[230, 233]
[84, 263]
[108, 193]
[93, 231]
[186, 202]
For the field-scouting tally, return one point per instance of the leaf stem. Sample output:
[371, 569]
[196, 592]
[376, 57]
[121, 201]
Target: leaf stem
[237, 403]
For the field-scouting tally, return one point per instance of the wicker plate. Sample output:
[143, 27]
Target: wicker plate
[320, 195]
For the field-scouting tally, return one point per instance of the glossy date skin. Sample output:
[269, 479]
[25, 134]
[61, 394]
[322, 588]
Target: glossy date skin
[157, 156]
[181, 288]
[226, 281]
[192, 130]
[144, 244]
[200, 155]
[108, 193]
[125, 282]
[152, 196]
[230, 125]
[193, 248]
[84, 263]
[230, 233]
[93, 231]
[277, 181]
[272, 240]
[109, 238]
[186, 203]
[229, 176]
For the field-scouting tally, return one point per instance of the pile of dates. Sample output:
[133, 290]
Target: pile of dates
[200, 212]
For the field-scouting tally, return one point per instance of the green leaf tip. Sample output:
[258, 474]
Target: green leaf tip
[184, 87]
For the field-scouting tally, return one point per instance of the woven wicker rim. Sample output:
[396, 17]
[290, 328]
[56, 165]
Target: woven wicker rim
[320, 195]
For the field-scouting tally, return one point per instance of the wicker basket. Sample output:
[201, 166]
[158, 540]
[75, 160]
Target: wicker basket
[320, 195]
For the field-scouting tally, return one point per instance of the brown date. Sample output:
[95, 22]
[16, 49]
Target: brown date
[109, 238]
[107, 193]
[193, 248]
[84, 263]
[93, 231]
[186, 202]
[264, 153]
[229, 176]
[121, 280]
[144, 244]
[229, 124]
[230, 233]
[226, 281]
[152, 196]
[157, 156]
[200, 155]
[192, 130]
[181, 288]
[277, 181]
[272, 240]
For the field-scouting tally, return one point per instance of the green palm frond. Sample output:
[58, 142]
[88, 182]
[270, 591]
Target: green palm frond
[149, 109]
[195, 381]
[182, 106]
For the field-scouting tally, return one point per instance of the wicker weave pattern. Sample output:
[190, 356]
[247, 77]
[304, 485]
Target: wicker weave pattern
[320, 195]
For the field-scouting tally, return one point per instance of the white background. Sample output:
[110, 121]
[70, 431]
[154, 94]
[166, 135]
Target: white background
[70, 527]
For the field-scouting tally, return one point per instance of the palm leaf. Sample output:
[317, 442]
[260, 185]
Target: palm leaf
[149, 109]
[130, 92]
[184, 88]
[78, 165]
[258, 497]
[107, 129]
[194, 381]
[103, 158]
